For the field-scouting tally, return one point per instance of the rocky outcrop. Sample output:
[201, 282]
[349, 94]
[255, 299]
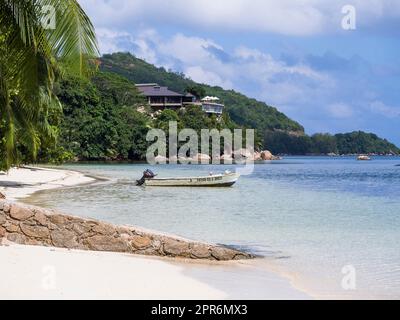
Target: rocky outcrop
[35, 226]
[268, 156]
[203, 158]
[2, 196]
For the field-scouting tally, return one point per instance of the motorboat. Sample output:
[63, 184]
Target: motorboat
[227, 179]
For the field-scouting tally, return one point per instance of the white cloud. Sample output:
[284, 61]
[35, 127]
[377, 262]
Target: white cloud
[289, 17]
[199, 74]
[340, 110]
[108, 40]
[388, 111]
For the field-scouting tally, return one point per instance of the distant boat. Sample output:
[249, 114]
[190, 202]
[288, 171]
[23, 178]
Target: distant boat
[227, 179]
[363, 158]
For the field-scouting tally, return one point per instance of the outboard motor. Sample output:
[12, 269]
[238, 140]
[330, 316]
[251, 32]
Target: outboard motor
[148, 174]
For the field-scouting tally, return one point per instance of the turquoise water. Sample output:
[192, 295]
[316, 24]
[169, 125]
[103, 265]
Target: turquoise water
[310, 217]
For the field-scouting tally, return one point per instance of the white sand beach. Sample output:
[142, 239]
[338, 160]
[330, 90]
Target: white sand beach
[19, 183]
[49, 273]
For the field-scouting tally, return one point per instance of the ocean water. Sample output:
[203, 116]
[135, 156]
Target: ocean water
[314, 219]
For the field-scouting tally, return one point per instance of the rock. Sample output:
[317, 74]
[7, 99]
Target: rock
[243, 153]
[81, 228]
[6, 208]
[201, 251]
[156, 244]
[104, 229]
[17, 238]
[2, 196]
[203, 158]
[176, 248]
[41, 218]
[266, 155]
[149, 252]
[104, 243]
[58, 219]
[20, 213]
[161, 160]
[35, 231]
[2, 232]
[34, 242]
[257, 156]
[226, 158]
[12, 228]
[27, 226]
[64, 239]
[184, 160]
[3, 218]
[140, 242]
[223, 254]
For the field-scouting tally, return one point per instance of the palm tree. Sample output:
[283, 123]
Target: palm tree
[40, 41]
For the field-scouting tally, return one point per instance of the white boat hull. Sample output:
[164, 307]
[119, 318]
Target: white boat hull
[222, 180]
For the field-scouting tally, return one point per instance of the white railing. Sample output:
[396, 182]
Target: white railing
[213, 108]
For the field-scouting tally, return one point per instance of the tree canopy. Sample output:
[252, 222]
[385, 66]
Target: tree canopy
[33, 54]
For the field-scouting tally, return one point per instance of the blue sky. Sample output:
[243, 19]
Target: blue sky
[292, 54]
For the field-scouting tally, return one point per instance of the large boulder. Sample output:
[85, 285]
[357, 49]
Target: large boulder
[64, 239]
[2, 196]
[243, 154]
[201, 251]
[223, 254]
[226, 158]
[35, 231]
[141, 242]
[106, 243]
[257, 156]
[267, 155]
[21, 213]
[176, 248]
[203, 158]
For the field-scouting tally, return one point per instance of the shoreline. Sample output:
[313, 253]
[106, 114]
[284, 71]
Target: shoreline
[208, 280]
[20, 183]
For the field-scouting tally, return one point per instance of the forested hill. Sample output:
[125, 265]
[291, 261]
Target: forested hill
[275, 130]
[242, 110]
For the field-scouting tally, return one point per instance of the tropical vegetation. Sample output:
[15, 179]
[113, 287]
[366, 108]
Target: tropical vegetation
[40, 41]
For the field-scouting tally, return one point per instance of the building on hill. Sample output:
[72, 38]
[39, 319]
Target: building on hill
[160, 98]
[212, 105]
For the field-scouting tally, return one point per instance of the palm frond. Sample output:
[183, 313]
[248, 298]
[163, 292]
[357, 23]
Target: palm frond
[74, 39]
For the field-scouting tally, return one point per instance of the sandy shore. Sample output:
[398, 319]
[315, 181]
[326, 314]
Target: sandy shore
[48, 273]
[19, 183]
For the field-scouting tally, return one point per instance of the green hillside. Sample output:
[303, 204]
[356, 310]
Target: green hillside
[103, 118]
[242, 110]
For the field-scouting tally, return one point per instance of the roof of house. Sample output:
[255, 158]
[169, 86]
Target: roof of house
[154, 90]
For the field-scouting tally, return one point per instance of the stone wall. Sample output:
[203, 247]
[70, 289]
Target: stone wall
[35, 226]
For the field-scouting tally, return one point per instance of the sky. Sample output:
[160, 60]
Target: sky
[332, 65]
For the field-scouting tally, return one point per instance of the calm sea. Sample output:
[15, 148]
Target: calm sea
[311, 217]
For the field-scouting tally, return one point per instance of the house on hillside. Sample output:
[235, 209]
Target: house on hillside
[160, 98]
